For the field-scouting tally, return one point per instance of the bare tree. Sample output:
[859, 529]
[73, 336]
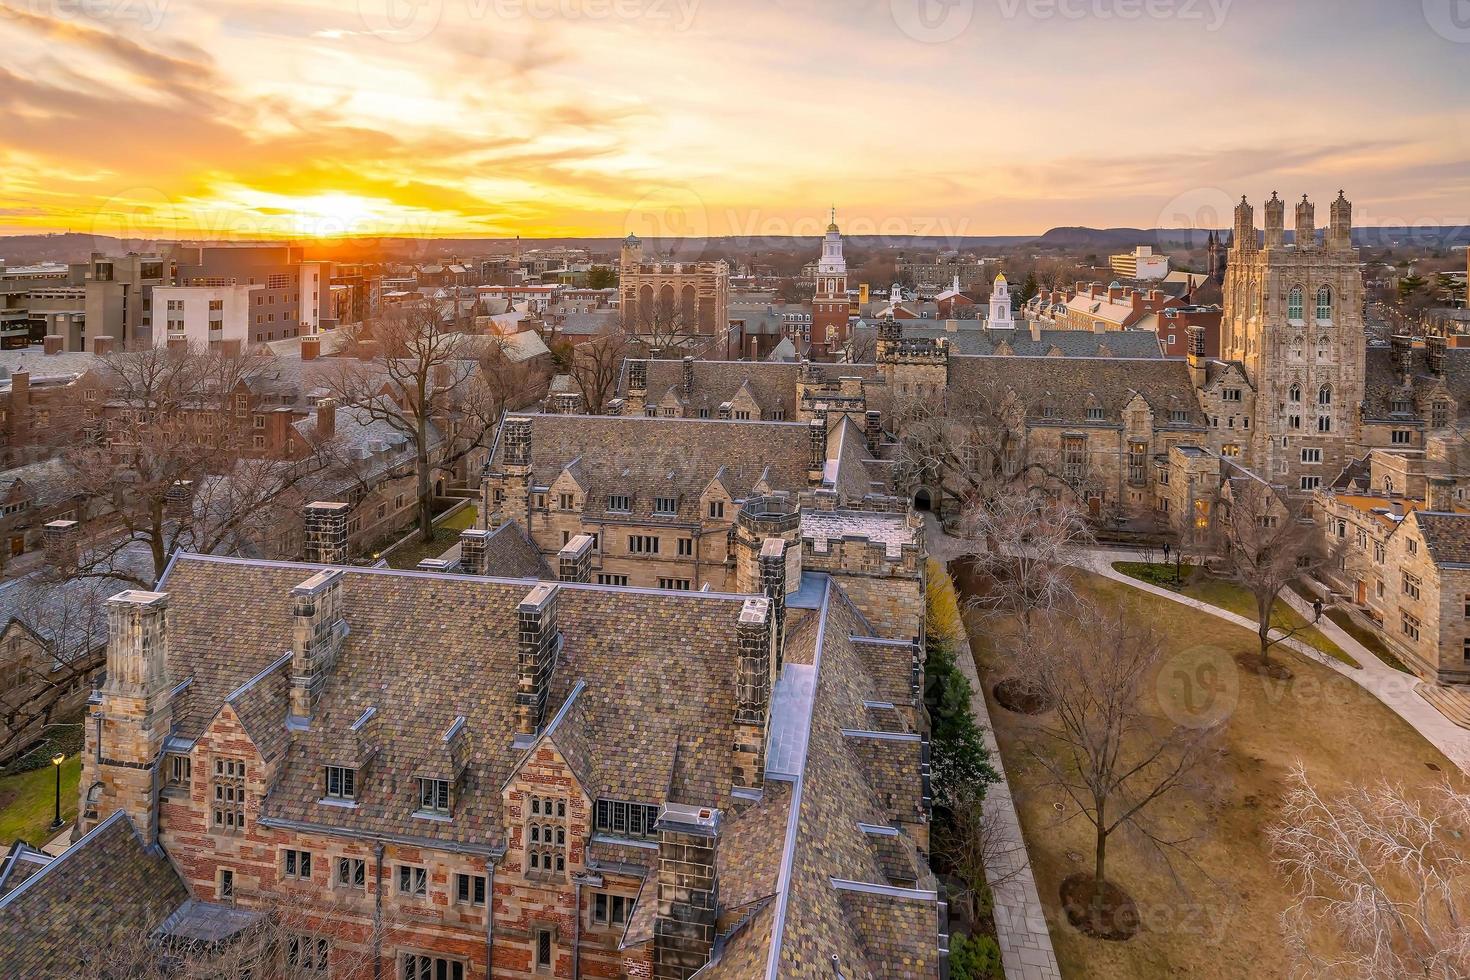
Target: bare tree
[1112, 760]
[163, 422]
[861, 348]
[596, 366]
[1266, 541]
[1379, 881]
[1022, 542]
[433, 385]
[669, 329]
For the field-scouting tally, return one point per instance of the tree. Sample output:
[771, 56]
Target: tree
[1112, 761]
[969, 447]
[601, 277]
[171, 420]
[1029, 288]
[442, 389]
[974, 958]
[1266, 542]
[596, 366]
[1379, 880]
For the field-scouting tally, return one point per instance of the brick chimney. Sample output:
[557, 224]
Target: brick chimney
[536, 657]
[873, 429]
[574, 562]
[753, 683]
[103, 346]
[311, 348]
[326, 418]
[615, 407]
[61, 539]
[326, 532]
[688, 890]
[472, 551]
[316, 639]
[52, 344]
[1434, 354]
[133, 714]
[688, 376]
[1403, 354]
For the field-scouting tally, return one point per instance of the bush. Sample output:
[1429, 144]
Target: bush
[974, 958]
[960, 761]
[942, 620]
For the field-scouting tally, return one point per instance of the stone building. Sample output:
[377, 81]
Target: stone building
[678, 298]
[1294, 323]
[463, 775]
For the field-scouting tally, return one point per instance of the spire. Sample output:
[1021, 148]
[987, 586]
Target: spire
[833, 226]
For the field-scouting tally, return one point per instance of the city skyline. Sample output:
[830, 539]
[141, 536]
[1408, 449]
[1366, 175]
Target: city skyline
[491, 118]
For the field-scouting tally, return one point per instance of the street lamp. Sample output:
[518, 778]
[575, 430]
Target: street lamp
[57, 760]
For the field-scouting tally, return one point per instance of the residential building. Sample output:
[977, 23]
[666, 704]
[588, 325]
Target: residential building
[213, 316]
[293, 291]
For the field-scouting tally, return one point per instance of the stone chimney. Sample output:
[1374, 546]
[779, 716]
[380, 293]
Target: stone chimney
[536, 657]
[687, 384]
[472, 550]
[316, 639]
[1434, 354]
[1099, 326]
[1198, 363]
[753, 683]
[688, 890]
[311, 348]
[727, 411]
[326, 418]
[615, 407]
[637, 386]
[774, 586]
[1306, 224]
[517, 468]
[873, 429]
[1403, 355]
[60, 542]
[760, 519]
[817, 450]
[52, 344]
[133, 716]
[103, 346]
[326, 532]
[574, 561]
[1441, 494]
[1275, 222]
[1035, 330]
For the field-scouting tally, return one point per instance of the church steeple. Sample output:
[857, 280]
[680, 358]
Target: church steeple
[830, 305]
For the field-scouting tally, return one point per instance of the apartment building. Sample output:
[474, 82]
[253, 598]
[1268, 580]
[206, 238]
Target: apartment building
[293, 292]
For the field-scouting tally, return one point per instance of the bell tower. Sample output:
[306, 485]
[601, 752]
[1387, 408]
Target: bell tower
[829, 305]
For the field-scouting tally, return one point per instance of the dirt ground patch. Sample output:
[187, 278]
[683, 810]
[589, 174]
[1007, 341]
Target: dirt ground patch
[1224, 924]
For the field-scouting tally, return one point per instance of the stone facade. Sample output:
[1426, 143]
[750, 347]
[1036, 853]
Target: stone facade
[672, 298]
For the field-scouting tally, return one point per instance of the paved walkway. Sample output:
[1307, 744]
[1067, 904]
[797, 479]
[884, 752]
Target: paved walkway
[1393, 687]
[1020, 921]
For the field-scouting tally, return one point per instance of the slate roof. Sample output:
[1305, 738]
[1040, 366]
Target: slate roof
[772, 383]
[1447, 536]
[1070, 385]
[510, 554]
[1382, 379]
[972, 338]
[646, 458]
[106, 889]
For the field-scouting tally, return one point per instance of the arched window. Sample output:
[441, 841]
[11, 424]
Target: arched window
[1255, 300]
[1294, 395]
[1324, 347]
[1324, 303]
[1294, 304]
[1297, 345]
[1324, 396]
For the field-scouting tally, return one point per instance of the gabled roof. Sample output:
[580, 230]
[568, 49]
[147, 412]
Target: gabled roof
[1067, 383]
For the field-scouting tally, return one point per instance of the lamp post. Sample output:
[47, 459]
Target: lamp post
[56, 761]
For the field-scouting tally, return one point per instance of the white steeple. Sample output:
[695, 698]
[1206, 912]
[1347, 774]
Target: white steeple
[1001, 317]
[832, 263]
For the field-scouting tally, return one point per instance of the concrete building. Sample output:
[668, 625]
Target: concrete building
[293, 291]
[208, 316]
[1141, 263]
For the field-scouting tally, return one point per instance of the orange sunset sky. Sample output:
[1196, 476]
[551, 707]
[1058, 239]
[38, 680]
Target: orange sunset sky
[266, 118]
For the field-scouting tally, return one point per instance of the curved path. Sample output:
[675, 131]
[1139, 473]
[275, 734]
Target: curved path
[1394, 688]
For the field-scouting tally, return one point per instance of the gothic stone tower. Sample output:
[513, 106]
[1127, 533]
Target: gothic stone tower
[829, 305]
[1294, 320]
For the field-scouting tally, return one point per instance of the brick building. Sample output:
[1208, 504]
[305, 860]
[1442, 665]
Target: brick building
[556, 778]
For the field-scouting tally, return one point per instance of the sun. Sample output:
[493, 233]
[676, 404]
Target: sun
[334, 215]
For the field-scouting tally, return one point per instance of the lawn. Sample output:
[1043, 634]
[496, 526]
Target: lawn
[446, 533]
[1233, 598]
[1224, 922]
[28, 802]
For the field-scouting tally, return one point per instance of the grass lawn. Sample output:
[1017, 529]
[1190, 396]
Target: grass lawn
[1231, 597]
[28, 801]
[446, 533]
[1225, 924]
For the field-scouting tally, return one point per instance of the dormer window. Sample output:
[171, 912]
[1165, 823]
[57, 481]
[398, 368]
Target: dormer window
[1178, 416]
[1094, 414]
[665, 506]
[433, 795]
[622, 819]
[341, 783]
[1401, 406]
[619, 502]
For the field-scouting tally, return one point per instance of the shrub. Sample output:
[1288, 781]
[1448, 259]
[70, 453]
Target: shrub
[974, 958]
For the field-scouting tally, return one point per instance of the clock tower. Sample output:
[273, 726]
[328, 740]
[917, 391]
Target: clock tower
[829, 305]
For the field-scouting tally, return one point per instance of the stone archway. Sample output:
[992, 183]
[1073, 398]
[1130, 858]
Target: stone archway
[923, 499]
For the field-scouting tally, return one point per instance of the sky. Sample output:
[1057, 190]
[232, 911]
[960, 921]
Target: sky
[683, 118]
